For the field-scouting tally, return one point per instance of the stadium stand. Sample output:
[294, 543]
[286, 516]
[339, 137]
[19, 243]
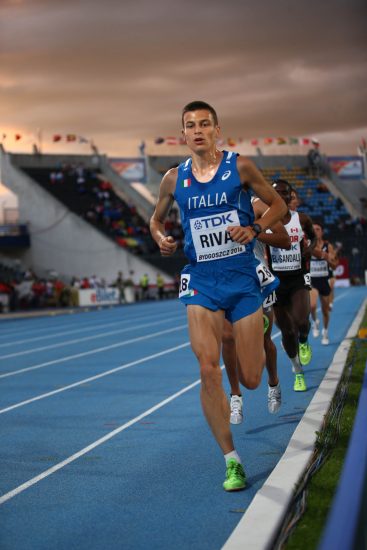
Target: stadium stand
[87, 194]
[316, 199]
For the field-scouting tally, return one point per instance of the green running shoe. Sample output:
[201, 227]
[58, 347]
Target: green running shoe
[235, 476]
[299, 382]
[305, 353]
[266, 323]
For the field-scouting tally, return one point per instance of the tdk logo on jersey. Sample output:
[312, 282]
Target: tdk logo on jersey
[226, 175]
[214, 221]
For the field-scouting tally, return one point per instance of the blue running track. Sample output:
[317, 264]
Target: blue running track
[103, 442]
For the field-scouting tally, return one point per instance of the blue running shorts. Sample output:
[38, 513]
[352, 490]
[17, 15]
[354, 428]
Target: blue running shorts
[230, 285]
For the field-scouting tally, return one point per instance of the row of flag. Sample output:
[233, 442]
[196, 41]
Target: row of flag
[55, 138]
[231, 142]
[234, 142]
[70, 138]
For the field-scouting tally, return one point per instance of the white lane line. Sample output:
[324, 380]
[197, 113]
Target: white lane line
[66, 332]
[98, 442]
[92, 378]
[86, 338]
[91, 352]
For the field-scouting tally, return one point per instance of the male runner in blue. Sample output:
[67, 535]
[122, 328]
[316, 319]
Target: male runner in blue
[212, 191]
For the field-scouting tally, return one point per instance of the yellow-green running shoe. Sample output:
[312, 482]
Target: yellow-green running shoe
[235, 476]
[299, 382]
[305, 353]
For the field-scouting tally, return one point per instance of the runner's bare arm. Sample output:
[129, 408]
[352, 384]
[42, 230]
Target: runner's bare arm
[167, 244]
[331, 257]
[252, 177]
[278, 236]
[309, 232]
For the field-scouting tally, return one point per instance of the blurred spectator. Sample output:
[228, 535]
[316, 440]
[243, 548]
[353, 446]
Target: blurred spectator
[314, 159]
[144, 286]
[25, 294]
[40, 292]
[355, 265]
[120, 285]
[160, 287]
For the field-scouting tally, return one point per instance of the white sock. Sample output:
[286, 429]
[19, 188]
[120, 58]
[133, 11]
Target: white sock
[296, 365]
[232, 454]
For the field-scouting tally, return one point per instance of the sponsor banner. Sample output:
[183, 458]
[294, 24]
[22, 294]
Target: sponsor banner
[98, 296]
[342, 272]
[131, 169]
[347, 167]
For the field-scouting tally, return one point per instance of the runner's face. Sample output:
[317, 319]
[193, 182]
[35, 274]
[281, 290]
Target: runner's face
[200, 131]
[293, 202]
[283, 190]
[318, 230]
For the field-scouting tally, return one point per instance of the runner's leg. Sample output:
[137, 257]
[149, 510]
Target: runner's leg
[230, 358]
[301, 313]
[249, 338]
[205, 329]
[288, 329]
[270, 351]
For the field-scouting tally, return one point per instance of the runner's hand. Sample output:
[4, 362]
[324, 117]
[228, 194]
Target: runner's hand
[167, 246]
[242, 235]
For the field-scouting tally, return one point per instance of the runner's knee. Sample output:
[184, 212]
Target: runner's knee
[210, 373]
[250, 380]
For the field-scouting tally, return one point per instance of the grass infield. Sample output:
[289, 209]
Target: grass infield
[333, 440]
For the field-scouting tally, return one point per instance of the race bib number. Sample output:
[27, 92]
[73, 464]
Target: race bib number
[211, 238]
[185, 289]
[270, 300]
[265, 275]
[319, 268]
[307, 278]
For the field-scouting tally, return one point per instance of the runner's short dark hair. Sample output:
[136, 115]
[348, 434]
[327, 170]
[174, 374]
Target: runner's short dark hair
[197, 106]
[285, 182]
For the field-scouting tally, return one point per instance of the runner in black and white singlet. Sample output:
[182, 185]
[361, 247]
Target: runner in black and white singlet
[323, 259]
[278, 237]
[212, 189]
[292, 307]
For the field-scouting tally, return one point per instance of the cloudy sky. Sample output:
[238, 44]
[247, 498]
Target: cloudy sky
[116, 70]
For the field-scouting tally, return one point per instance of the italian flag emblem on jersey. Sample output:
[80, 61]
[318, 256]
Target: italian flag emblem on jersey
[186, 183]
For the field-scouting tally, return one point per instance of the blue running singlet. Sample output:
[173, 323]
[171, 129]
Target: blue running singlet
[221, 273]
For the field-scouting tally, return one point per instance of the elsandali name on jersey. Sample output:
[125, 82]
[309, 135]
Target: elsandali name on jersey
[283, 261]
[211, 238]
